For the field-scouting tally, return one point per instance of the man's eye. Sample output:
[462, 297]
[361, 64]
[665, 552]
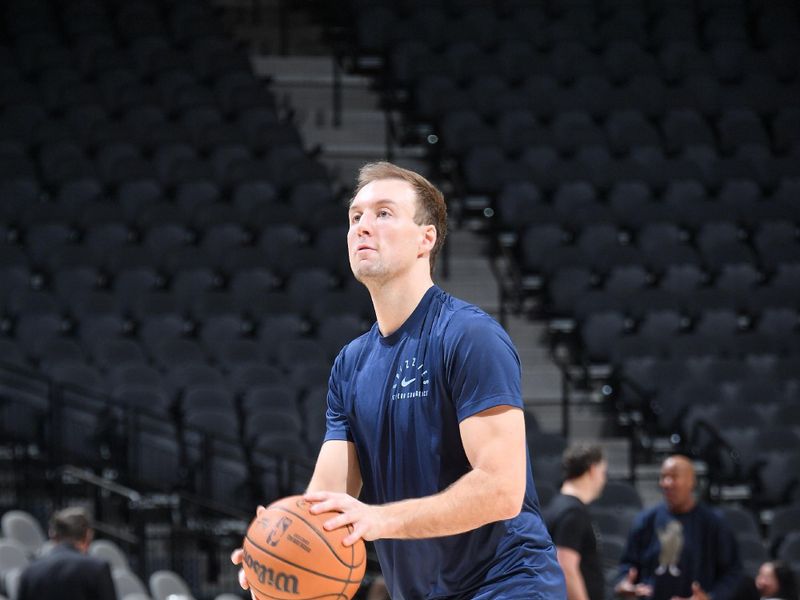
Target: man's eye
[355, 218]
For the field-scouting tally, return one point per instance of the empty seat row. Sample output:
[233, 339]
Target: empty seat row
[275, 258]
[89, 125]
[486, 169]
[684, 205]
[171, 337]
[575, 292]
[733, 68]
[516, 128]
[233, 163]
[609, 336]
[767, 381]
[379, 29]
[548, 248]
[120, 90]
[92, 211]
[208, 58]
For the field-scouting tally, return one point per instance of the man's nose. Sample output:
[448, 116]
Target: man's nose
[364, 225]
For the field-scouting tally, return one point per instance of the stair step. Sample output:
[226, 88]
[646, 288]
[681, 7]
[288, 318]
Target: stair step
[345, 168]
[324, 118]
[364, 150]
[356, 127]
[308, 70]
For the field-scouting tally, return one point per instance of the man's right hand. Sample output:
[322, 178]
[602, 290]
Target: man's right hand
[628, 587]
[238, 555]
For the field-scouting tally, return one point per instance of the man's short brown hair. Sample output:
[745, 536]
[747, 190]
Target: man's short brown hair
[579, 458]
[431, 208]
[70, 524]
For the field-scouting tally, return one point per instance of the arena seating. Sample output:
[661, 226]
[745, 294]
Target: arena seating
[173, 267]
[638, 164]
[169, 252]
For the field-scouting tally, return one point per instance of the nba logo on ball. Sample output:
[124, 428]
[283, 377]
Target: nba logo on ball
[288, 555]
[277, 532]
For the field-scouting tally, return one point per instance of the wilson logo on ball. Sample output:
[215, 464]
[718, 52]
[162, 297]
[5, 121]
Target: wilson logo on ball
[279, 580]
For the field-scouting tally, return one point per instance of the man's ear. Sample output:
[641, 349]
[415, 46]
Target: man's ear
[87, 540]
[429, 237]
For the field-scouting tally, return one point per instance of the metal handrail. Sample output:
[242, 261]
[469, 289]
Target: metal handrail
[53, 394]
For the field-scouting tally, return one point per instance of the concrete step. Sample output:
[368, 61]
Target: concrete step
[541, 382]
[345, 168]
[272, 27]
[471, 279]
[305, 98]
[470, 275]
[617, 453]
[362, 127]
[530, 353]
[585, 425]
[307, 83]
[647, 476]
[588, 422]
[309, 69]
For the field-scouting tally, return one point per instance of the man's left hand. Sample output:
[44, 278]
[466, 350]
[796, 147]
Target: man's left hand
[365, 519]
[698, 593]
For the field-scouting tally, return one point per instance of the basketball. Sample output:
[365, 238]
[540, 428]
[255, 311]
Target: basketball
[288, 554]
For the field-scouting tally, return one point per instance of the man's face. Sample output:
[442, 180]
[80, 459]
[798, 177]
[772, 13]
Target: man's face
[383, 240]
[677, 484]
[766, 582]
[599, 473]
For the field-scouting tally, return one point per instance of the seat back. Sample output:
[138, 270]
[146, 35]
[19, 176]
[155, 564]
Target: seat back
[164, 584]
[111, 553]
[23, 527]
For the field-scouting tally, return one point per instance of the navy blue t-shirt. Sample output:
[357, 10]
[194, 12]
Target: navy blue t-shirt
[400, 399]
[670, 551]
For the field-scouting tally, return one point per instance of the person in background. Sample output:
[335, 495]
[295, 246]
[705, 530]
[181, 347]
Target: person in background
[568, 519]
[776, 581]
[681, 548]
[66, 572]
[377, 589]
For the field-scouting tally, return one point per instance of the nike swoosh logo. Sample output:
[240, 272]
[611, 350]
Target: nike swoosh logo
[406, 382]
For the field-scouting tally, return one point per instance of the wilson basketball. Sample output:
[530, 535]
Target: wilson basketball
[288, 554]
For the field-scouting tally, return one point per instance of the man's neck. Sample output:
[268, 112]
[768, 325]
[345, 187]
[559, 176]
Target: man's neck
[394, 301]
[579, 489]
[682, 509]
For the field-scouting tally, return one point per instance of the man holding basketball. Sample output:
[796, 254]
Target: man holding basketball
[424, 419]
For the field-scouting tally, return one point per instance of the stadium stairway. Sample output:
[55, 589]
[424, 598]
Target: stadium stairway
[306, 84]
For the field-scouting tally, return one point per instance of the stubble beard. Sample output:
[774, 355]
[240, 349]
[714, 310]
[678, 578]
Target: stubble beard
[369, 273]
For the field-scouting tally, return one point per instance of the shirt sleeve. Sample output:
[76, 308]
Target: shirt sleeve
[482, 365]
[336, 426]
[569, 531]
[635, 548]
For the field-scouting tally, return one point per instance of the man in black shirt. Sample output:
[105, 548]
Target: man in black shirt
[570, 525]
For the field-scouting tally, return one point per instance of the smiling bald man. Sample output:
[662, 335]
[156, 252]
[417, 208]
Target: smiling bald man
[680, 548]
